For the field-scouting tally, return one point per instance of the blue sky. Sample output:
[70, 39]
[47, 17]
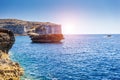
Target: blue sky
[75, 16]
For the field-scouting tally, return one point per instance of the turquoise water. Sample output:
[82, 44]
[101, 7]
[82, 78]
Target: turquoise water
[78, 57]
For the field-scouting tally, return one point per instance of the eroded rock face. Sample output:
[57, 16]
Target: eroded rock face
[20, 27]
[9, 70]
[6, 40]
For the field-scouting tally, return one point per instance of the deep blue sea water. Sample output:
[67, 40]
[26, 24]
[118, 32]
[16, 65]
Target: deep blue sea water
[78, 57]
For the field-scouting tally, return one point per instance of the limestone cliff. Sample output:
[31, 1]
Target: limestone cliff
[9, 70]
[21, 27]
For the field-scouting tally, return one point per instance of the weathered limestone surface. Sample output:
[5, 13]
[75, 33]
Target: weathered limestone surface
[46, 34]
[9, 70]
[20, 27]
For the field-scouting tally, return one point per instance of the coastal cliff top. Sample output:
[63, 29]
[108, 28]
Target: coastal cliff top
[22, 22]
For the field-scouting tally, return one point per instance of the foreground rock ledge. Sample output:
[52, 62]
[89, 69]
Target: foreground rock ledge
[9, 70]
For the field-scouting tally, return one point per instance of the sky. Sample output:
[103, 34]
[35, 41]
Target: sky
[75, 16]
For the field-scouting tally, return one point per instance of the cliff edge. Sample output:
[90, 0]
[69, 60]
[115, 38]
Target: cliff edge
[9, 70]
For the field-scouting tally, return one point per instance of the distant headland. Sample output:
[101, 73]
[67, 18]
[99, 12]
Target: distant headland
[38, 31]
[21, 27]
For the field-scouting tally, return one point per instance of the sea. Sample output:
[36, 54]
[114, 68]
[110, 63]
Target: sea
[76, 57]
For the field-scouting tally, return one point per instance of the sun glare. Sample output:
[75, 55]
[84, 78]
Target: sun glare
[69, 25]
[69, 21]
[68, 28]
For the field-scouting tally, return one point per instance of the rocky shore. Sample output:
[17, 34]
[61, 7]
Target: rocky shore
[9, 70]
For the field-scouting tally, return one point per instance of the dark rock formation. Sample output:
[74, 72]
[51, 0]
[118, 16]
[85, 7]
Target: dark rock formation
[6, 40]
[9, 70]
[48, 38]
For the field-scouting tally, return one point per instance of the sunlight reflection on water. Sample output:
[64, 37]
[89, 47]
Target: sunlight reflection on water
[79, 57]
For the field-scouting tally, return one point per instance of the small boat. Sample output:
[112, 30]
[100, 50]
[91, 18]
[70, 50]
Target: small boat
[109, 35]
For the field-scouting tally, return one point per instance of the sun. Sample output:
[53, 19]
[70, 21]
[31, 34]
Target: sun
[68, 28]
[69, 22]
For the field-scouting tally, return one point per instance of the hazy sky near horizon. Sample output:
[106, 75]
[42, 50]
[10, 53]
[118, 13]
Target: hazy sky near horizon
[75, 16]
